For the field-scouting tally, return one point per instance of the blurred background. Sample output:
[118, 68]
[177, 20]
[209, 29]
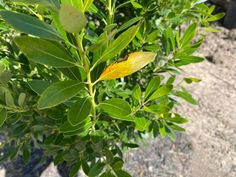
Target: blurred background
[208, 148]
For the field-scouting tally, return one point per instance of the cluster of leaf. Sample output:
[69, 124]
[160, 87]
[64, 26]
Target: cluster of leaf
[83, 79]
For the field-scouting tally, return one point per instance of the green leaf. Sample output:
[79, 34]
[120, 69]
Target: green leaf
[107, 174]
[58, 93]
[129, 23]
[96, 169]
[162, 91]
[109, 156]
[153, 85]
[137, 93]
[141, 124]
[21, 99]
[136, 5]
[186, 96]
[30, 25]
[185, 60]
[122, 173]
[3, 116]
[120, 43]
[177, 119]
[117, 163]
[190, 80]
[79, 111]
[9, 99]
[48, 3]
[45, 52]
[188, 35]
[162, 129]
[175, 127]
[38, 86]
[26, 153]
[74, 170]
[72, 19]
[216, 17]
[66, 127]
[87, 4]
[117, 108]
[213, 30]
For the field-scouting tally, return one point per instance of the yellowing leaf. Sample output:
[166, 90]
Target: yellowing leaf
[135, 62]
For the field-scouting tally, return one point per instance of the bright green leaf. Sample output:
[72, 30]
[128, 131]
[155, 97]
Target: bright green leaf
[162, 91]
[153, 85]
[120, 43]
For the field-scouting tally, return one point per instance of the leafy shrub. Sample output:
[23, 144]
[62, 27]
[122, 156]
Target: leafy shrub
[82, 79]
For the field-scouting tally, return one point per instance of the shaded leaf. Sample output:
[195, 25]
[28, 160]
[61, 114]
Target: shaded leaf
[45, 52]
[58, 93]
[38, 86]
[3, 116]
[79, 111]
[30, 25]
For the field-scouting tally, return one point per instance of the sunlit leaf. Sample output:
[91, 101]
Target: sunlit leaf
[135, 62]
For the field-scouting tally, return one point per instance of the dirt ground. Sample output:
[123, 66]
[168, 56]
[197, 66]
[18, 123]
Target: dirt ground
[208, 148]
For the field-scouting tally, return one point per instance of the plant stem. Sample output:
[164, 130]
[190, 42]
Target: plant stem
[111, 13]
[86, 64]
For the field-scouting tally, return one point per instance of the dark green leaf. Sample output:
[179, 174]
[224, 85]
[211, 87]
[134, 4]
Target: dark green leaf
[58, 93]
[38, 86]
[3, 116]
[79, 111]
[26, 153]
[117, 163]
[30, 25]
[74, 170]
[45, 52]
[96, 169]
[122, 173]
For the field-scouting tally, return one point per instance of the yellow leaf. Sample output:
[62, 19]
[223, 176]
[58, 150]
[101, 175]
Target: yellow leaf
[135, 62]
